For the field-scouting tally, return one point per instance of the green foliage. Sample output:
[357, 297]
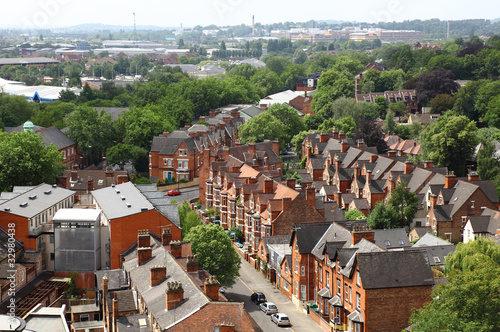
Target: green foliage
[188, 218]
[92, 131]
[442, 103]
[138, 179]
[465, 100]
[263, 126]
[215, 252]
[238, 234]
[450, 141]
[278, 64]
[122, 154]
[25, 161]
[354, 215]
[488, 165]
[390, 124]
[404, 203]
[53, 114]
[15, 110]
[383, 217]
[345, 124]
[289, 117]
[331, 86]
[268, 80]
[72, 292]
[297, 142]
[471, 301]
[290, 76]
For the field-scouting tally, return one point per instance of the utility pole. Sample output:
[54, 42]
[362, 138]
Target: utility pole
[135, 29]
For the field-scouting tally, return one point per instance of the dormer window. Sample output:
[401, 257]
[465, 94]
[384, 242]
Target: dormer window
[387, 243]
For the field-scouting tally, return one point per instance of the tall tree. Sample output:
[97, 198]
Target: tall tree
[289, 117]
[372, 135]
[263, 126]
[405, 203]
[331, 86]
[450, 141]
[25, 161]
[383, 217]
[487, 163]
[435, 82]
[215, 252]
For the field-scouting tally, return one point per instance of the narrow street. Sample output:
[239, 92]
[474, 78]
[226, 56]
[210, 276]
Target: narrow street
[251, 281]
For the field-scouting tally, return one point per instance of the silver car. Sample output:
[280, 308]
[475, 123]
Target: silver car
[280, 319]
[269, 308]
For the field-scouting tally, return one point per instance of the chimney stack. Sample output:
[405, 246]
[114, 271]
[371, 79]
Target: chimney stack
[309, 151]
[311, 197]
[211, 113]
[337, 164]
[433, 201]
[449, 180]
[341, 134]
[225, 152]
[157, 274]
[373, 158]
[174, 294]
[362, 232]
[166, 236]
[143, 239]
[335, 132]
[212, 288]
[287, 202]
[166, 133]
[104, 294]
[408, 166]
[74, 176]
[290, 183]
[338, 198]
[323, 137]
[361, 143]
[473, 176]
[428, 164]
[192, 264]
[176, 249]
[252, 148]
[268, 186]
[369, 176]
[227, 327]
[144, 255]
[276, 146]
[391, 153]
[344, 145]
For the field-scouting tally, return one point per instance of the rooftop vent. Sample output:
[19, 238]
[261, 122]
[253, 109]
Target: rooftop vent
[54, 186]
[25, 204]
[6, 209]
[144, 209]
[117, 191]
[48, 192]
[33, 197]
[112, 186]
[129, 205]
[122, 197]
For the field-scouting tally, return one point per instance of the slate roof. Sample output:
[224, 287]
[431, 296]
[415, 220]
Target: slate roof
[479, 224]
[421, 231]
[52, 135]
[436, 254]
[308, 235]
[134, 323]
[168, 145]
[117, 279]
[394, 269]
[442, 212]
[110, 200]
[333, 213]
[154, 297]
[392, 238]
[127, 300]
[45, 196]
[4, 249]
[488, 188]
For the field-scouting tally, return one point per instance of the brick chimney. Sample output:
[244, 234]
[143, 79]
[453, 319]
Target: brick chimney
[165, 134]
[309, 151]
[311, 197]
[211, 113]
[433, 201]
[391, 153]
[174, 294]
[323, 137]
[362, 232]
[472, 176]
[235, 114]
[187, 126]
[408, 166]
[143, 239]
[335, 132]
[166, 236]
[287, 202]
[449, 180]
[192, 264]
[391, 184]
[237, 142]
[268, 186]
[276, 146]
[338, 198]
[341, 134]
[428, 164]
[290, 183]
[202, 118]
[252, 148]
[176, 249]
[361, 143]
[74, 176]
[211, 286]
[344, 146]
[373, 158]
[115, 311]
[225, 152]
[104, 293]
[144, 255]
[369, 176]
[157, 274]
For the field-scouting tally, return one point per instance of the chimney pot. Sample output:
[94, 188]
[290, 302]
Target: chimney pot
[211, 286]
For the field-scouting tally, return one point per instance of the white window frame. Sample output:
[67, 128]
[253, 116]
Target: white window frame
[303, 291]
[302, 270]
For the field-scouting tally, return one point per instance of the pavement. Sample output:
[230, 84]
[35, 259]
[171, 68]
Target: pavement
[255, 282]
[187, 193]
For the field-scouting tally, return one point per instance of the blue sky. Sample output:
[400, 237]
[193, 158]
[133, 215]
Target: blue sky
[168, 13]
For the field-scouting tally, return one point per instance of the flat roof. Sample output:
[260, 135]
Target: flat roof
[27, 61]
[75, 215]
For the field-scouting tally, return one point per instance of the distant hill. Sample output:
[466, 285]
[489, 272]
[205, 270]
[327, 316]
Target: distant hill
[495, 20]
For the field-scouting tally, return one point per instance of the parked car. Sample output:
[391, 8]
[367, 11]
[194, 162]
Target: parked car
[269, 308]
[258, 298]
[173, 192]
[280, 319]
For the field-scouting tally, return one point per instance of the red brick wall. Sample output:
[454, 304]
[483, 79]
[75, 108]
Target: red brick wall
[390, 309]
[22, 229]
[124, 231]
[299, 212]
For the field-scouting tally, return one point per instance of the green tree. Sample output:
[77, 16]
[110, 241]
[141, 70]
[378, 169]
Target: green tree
[268, 80]
[383, 217]
[354, 215]
[405, 203]
[450, 141]
[246, 70]
[465, 100]
[331, 86]
[15, 110]
[278, 64]
[390, 124]
[297, 142]
[299, 57]
[215, 252]
[188, 218]
[25, 161]
[484, 94]
[488, 165]
[121, 154]
[290, 76]
[289, 117]
[92, 131]
[53, 115]
[263, 126]
[442, 103]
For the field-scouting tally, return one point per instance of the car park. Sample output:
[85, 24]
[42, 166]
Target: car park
[268, 308]
[258, 297]
[280, 319]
